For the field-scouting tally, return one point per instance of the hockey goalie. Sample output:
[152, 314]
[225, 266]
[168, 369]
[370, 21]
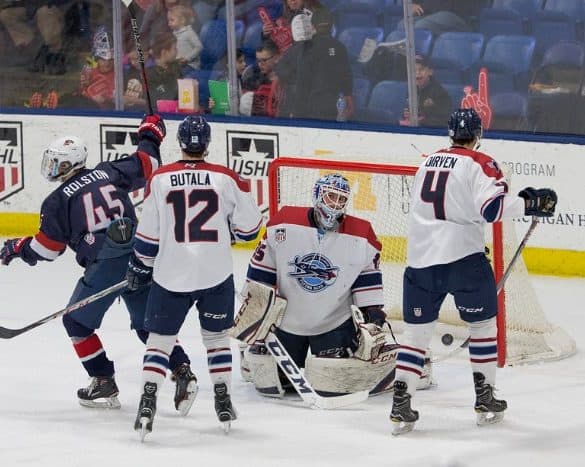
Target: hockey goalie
[368, 366]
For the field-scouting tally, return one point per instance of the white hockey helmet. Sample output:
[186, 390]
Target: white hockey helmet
[330, 198]
[62, 157]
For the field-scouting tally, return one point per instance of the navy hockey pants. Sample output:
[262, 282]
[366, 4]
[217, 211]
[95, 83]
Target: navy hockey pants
[470, 280]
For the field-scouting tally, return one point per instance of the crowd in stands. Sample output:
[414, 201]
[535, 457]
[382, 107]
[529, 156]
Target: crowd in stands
[297, 58]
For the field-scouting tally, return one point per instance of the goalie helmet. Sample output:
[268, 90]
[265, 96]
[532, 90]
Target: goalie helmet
[465, 124]
[62, 157]
[194, 134]
[330, 197]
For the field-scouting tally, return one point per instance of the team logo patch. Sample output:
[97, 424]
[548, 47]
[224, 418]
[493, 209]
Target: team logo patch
[417, 312]
[314, 272]
[11, 159]
[117, 142]
[280, 235]
[249, 154]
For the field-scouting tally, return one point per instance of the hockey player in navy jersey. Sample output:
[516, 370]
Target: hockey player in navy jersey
[321, 261]
[91, 212]
[192, 210]
[456, 191]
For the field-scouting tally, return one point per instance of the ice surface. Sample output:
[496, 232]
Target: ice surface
[42, 424]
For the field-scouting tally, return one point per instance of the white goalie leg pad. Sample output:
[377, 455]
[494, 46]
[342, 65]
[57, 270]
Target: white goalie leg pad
[348, 375]
[244, 365]
[260, 310]
[263, 372]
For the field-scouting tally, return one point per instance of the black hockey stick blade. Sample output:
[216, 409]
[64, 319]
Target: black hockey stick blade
[6, 333]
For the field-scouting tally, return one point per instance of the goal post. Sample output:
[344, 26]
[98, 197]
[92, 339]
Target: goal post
[381, 194]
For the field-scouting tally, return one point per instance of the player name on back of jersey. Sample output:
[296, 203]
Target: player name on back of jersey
[446, 162]
[190, 178]
[88, 178]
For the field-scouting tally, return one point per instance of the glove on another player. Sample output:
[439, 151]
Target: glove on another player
[374, 314]
[153, 127]
[138, 274]
[15, 248]
[539, 202]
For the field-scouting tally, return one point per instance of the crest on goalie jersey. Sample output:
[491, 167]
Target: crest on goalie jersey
[11, 159]
[314, 272]
[249, 154]
[117, 142]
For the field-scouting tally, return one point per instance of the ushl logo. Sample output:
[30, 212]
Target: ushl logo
[117, 142]
[250, 154]
[11, 159]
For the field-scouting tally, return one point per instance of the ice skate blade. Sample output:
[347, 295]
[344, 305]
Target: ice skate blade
[489, 418]
[185, 404]
[401, 428]
[105, 403]
[226, 426]
[143, 431]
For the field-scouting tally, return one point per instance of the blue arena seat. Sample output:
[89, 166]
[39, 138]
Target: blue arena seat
[508, 59]
[423, 39]
[498, 21]
[387, 102]
[454, 53]
[358, 13]
[214, 38]
[549, 27]
[353, 38]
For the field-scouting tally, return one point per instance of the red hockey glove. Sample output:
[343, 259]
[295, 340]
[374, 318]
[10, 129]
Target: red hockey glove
[153, 127]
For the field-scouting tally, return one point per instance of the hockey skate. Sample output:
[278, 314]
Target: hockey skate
[101, 393]
[402, 416]
[186, 389]
[489, 409]
[146, 411]
[223, 406]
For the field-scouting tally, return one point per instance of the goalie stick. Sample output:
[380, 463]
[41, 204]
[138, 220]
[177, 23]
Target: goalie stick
[302, 385]
[6, 333]
[499, 288]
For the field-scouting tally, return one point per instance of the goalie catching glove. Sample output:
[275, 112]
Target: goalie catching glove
[370, 336]
[261, 309]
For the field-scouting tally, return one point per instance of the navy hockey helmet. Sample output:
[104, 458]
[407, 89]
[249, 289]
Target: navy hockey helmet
[194, 134]
[465, 124]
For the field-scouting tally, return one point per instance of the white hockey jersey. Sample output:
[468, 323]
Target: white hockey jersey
[320, 275]
[455, 192]
[190, 211]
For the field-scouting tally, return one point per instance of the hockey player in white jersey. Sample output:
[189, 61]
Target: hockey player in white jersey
[456, 191]
[321, 261]
[192, 210]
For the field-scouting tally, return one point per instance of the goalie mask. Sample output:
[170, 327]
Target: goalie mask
[330, 197]
[62, 157]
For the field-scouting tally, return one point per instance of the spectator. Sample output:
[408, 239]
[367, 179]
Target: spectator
[434, 102]
[189, 45]
[162, 77]
[261, 80]
[44, 53]
[240, 67]
[134, 92]
[316, 71]
[439, 16]
[279, 30]
[155, 20]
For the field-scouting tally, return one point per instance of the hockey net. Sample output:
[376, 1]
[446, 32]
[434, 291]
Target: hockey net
[380, 194]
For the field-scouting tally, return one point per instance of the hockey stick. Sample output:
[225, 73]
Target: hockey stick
[302, 385]
[499, 288]
[6, 333]
[139, 51]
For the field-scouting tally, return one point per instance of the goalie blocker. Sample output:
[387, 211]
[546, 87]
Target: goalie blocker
[371, 367]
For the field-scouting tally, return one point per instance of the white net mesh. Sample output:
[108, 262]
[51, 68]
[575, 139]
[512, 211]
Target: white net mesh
[383, 199]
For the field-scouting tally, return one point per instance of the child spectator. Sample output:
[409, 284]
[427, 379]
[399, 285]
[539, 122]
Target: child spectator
[134, 93]
[162, 77]
[189, 45]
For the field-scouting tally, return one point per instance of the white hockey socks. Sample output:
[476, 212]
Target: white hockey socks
[156, 358]
[219, 356]
[411, 355]
[483, 348]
